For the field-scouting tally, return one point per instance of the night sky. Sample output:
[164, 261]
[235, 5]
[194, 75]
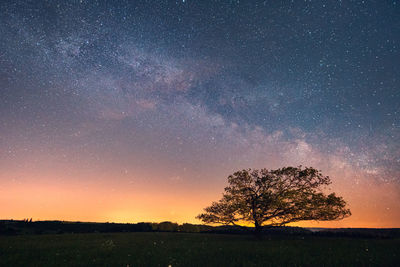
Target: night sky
[131, 111]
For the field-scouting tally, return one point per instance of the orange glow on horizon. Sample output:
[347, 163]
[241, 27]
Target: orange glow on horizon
[141, 202]
[111, 115]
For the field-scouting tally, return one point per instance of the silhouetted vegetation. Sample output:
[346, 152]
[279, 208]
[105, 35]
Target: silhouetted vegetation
[23, 227]
[275, 198]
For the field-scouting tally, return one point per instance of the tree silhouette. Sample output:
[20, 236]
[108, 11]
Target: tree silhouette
[275, 198]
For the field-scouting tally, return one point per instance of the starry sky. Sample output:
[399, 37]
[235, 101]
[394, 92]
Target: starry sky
[131, 111]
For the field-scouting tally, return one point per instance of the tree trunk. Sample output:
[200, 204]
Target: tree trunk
[257, 226]
[257, 229]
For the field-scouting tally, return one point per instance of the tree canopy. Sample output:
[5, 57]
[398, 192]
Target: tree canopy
[275, 198]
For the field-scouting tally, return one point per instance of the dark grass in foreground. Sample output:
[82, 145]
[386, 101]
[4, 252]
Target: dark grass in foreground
[184, 249]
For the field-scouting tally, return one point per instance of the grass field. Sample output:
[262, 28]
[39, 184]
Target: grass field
[182, 249]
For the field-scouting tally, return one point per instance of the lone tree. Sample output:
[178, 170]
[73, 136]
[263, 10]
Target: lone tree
[275, 198]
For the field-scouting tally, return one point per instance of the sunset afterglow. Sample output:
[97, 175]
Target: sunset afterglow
[138, 112]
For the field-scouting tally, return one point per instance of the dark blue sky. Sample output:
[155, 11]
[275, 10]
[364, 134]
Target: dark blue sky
[191, 83]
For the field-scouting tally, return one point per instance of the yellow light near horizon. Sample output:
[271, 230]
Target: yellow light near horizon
[43, 198]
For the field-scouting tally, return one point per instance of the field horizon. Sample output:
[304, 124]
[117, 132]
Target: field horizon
[28, 226]
[62, 243]
[174, 222]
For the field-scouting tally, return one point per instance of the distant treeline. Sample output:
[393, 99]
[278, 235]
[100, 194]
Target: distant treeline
[21, 227]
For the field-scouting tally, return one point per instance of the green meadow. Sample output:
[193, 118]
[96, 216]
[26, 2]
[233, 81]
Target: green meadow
[189, 249]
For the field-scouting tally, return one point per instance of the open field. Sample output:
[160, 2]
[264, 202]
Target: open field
[184, 249]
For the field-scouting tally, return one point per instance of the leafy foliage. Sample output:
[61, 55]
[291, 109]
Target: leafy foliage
[276, 197]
